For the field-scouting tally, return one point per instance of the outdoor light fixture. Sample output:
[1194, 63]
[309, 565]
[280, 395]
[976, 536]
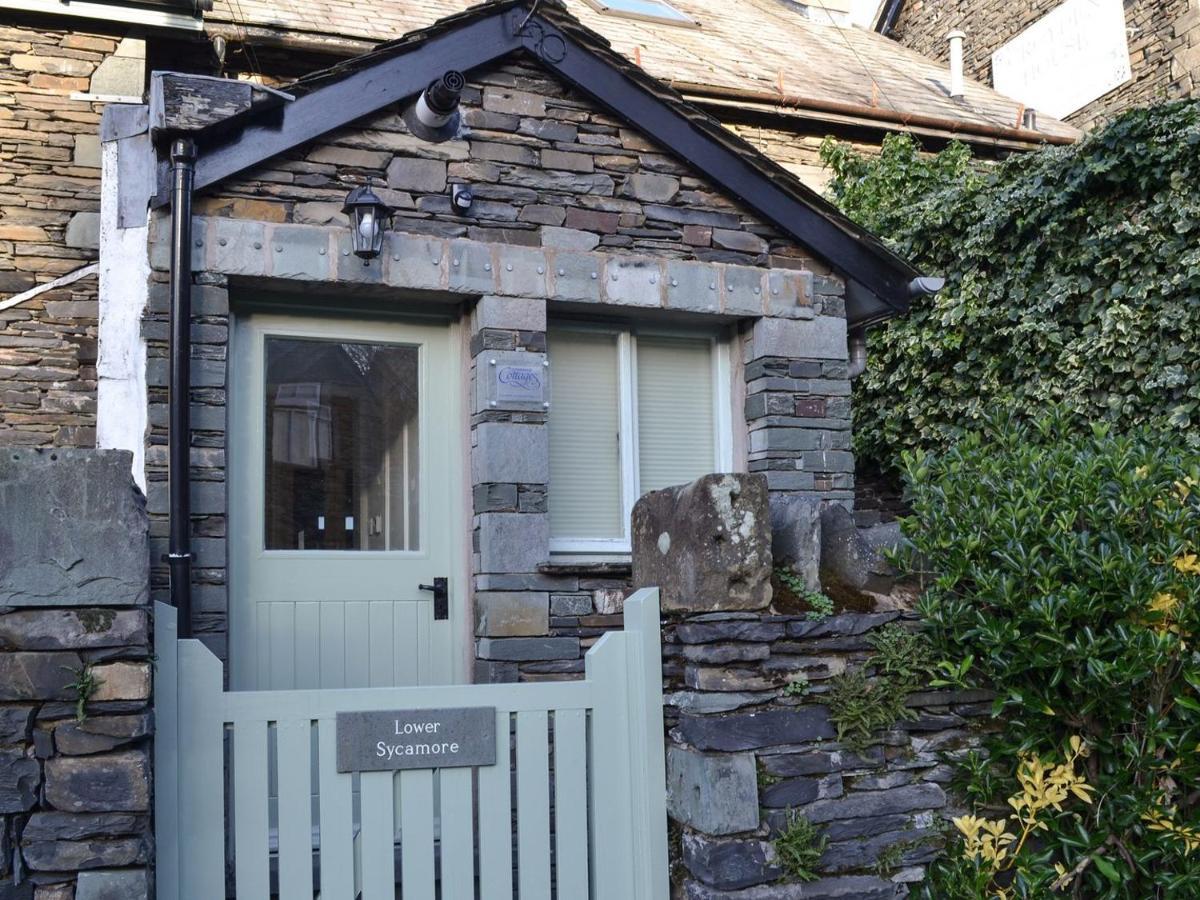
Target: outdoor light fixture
[368, 217]
[434, 116]
[461, 198]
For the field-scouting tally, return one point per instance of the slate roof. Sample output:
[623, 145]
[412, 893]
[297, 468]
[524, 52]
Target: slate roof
[764, 46]
[878, 280]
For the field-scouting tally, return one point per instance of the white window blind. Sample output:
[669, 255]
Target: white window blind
[675, 411]
[585, 496]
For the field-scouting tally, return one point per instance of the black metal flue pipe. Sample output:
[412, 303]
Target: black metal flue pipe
[179, 556]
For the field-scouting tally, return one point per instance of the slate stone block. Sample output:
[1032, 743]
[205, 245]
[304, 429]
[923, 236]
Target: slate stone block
[730, 865]
[510, 452]
[122, 884]
[470, 268]
[877, 803]
[63, 826]
[99, 734]
[74, 530]
[796, 537]
[852, 887]
[729, 630]
[702, 702]
[300, 251]
[570, 604]
[693, 286]
[823, 337]
[114, 782]
[714, 793]
[37, 675]
[766, 728]
[576, 276]
[20, 777]
[73, 629]
[742, 290]
[633, 282]
[68, 856]
[511, 613]
[513, 542]
[415, 262]
[528, 648]
[792, 792]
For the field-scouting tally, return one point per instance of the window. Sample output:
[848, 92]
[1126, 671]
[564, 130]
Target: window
[653, 10]
[630, 412]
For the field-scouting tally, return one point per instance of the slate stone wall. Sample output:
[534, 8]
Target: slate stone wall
[743, 756]
[1164, 44]
[75, 781]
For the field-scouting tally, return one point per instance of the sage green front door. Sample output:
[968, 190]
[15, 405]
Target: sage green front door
[343, 500]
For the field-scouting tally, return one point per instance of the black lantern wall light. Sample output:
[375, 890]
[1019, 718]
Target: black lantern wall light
[369, 217]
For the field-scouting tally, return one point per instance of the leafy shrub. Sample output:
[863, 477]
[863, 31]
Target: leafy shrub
[1063, 564]
[1073, 275]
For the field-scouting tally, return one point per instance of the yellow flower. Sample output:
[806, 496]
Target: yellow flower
[1141, 472]
[1188, 564]
[1164, 603]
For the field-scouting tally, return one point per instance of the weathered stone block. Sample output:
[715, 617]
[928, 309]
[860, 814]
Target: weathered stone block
[716, 794]
[693, 285]
[635, 281]
[73, 629]
[37, 675]
[704, 678]
[74, 531]
[743, 290]
[20, 777]
[568, 239]
[300, 251]
[513, 542]
[236, 247]
[846, 557]
[822, 337]
[99, 734]
[511, 613]
[570, 604]
[748, 731]
[117, 782]
[510, 452]
[796, 537]
[651, 187]
[470, 268]
[426, 176]
[68, 856]
[851, 887]
[576, 276]
[411, 261]
[704, 702]
[877, 803]
[730, 865]
[121, 884]
[517, 313]
[521, 271]
[706, 545]
[528, 648]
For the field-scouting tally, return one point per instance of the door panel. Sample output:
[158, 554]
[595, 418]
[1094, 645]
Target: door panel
[343, 500]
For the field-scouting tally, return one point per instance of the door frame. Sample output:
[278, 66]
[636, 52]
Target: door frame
[249, 327]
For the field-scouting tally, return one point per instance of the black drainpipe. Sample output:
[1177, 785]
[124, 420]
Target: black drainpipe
[888, 20]
[179, 557]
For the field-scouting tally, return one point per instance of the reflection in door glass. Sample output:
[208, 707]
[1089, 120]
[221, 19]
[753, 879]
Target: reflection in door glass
[341, 445]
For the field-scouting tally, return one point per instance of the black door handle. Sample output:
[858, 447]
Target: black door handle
[441, 597]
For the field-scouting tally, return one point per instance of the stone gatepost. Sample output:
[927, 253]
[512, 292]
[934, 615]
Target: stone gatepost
[75, 677]
[750, 746]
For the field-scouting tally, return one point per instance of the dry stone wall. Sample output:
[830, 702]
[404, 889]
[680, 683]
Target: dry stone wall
[1164, 44]
[75, 678]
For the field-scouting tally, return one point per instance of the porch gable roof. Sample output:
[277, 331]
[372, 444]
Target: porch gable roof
[879, 282]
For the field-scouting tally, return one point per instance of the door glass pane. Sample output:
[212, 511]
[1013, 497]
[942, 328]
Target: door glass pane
[342, 460]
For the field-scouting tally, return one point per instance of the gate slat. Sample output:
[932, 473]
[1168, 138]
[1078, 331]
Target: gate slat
[495, 820]
[337, 817]
[294, 740]
[251, 822]
[416, 834]
[533, 805]
[608, 762]
[458, 838]
[378, 824]
[570, 803]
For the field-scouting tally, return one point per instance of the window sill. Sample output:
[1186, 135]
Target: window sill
[610, 568]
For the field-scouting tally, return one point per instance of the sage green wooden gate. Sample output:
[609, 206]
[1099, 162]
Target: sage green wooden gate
[574, 808]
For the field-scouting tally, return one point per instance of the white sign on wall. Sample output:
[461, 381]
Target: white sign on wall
[1072, 55]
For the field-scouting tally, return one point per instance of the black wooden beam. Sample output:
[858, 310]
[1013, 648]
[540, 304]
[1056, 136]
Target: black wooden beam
[883, 274]
[358, 94]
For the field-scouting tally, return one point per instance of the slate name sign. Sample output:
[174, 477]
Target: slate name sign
[416, 739]
[519, 383]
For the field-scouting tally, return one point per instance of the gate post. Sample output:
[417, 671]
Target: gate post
[647, 745]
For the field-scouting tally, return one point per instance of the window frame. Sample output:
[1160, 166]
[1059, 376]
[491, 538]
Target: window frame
[606, 8]
[564, 549]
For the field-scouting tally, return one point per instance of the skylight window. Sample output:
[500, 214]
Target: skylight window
[651, 10]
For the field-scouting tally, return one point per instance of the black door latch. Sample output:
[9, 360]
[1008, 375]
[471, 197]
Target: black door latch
[441, 597]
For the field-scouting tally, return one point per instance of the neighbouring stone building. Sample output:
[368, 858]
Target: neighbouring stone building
[1162, 41]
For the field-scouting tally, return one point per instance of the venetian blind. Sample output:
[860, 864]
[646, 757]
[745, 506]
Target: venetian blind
[585, 461]
[676, 431]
